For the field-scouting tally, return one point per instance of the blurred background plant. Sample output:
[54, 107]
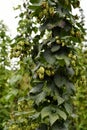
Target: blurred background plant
[47, 88]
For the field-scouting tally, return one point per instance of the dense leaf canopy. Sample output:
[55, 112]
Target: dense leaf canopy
[43, 91]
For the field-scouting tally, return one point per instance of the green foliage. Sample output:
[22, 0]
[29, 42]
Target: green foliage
[41, 90]
[4, 74]
[81, 86]
[49, 58]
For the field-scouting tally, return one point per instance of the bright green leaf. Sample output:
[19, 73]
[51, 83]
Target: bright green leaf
[62, 114]
[46, 111]
[40, 97]
[60, 100]
[53, 118]
[68, 108]
[34, 116]
[36, 89]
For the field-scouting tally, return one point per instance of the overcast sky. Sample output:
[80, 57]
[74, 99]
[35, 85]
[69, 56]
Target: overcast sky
[8, 14]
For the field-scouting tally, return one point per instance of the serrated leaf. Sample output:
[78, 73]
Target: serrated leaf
[34, 116]
[53, 118]
[70, 87]
[36, 89]
[45, 112]
[62, 114]
[49, 57]
[40, 98]
[59, 80]
[60, 100]
[68, 108]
